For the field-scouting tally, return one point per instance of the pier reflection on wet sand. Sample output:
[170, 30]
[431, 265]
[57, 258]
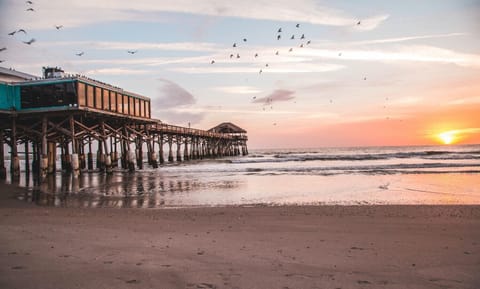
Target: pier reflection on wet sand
[118, 190]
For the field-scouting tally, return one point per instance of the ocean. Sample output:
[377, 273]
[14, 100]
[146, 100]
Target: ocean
[273, 177]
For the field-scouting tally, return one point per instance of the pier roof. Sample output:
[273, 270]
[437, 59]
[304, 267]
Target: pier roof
[227, 127]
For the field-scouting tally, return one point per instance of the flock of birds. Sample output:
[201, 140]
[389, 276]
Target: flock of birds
[33, 40]
[233, 54]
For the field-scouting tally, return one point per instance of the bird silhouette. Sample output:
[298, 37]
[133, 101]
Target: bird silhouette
[359, 22]
[279, 36]
[256, 55]
[58, 26]
[290, 50]
[238, 55]
[30, 9]
[29, 2]
[303, 36]
[274, 123]
[301, 45]
[29, 42]
[2, 61]
[244, 39]
[22, 30]
[234, 45]
[231, 55]
[3, 49]
[365, 78]
[293, 37]
[308, 42]
[298, 25]
[80, 54]
[254, 97]
[276, 53]
[266, 64]
[132, 51]
[260, 71]
[340, 54]
[279, 30]
[12, 33]
[212, 62]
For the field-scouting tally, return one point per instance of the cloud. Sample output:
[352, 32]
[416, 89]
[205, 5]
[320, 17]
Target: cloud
[237, 89]
[276, 96]
[180, 118]
[399, 53]
[172, 95]
[78, 13]
[407, 38]
[301, 67]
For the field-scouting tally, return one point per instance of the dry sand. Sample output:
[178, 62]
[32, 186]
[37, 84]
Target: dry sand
[237, 247]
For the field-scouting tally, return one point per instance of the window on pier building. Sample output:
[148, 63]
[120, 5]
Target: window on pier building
[142, 108]
[48, 95]
[131, 104]
[137, 107]
[119, 103]
[113, 101]
[98, 97]
[82, 96]
[106, 99]
[147, 109]
[90, 96]
[125, 104]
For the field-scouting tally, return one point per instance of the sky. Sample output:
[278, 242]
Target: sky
[365, 73]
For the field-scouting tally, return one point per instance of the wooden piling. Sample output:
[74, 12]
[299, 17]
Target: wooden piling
[14, 160]
[3, 170]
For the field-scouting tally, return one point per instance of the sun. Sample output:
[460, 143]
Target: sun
[447, 137]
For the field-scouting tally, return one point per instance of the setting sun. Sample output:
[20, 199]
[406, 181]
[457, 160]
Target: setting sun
[447, 137]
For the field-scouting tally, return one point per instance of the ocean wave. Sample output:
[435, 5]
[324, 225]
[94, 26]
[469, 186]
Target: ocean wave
[303, 157]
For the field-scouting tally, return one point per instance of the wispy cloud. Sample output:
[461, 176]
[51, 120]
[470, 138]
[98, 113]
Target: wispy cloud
[290, 68]
[77, 13]
[276, 96]
[173, 95]
[237, 89]
[407, 38]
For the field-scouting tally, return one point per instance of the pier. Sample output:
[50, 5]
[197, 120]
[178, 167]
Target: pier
[94, 126]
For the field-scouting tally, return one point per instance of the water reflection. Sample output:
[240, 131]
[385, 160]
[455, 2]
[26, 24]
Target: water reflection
[119, 190]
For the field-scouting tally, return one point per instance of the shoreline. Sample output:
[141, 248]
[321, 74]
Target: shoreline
[380, 246]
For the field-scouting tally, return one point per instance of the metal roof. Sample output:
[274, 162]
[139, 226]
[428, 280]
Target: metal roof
[18, 74]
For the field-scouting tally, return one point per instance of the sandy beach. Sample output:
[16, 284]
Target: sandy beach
[238, 247]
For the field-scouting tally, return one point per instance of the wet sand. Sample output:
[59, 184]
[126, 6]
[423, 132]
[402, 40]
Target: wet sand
[238, 247]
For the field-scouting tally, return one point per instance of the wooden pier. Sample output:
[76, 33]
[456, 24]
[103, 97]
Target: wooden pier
[96, 126]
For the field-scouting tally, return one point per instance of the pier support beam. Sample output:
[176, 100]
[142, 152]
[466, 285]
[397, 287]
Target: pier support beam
[3, 170]
[170, 152]
[51, 156]
[15, 161]
[90, 155]
[179, 154]
[160, 151]
[186, 157]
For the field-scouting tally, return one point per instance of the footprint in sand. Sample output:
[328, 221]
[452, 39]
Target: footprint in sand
[17, 267]
[132, 281]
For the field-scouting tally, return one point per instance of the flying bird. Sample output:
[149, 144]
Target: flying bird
[365, 78]
[293, 37]
[308, 42]
[30, 9]
[3, 49]
[231, 55]
[279, 36]
[29, 42]
[260, 71]
[266, 65]
[22, 30]
[276, 53]
[301, 45]
[80, 54]
[256, 54]
[359, 22]
[132, 51]
[234, 45]
[340, 54]
[298, 25]
[58, 27]
[12, 33]
[2, 61]
[290, 50]
[254, 97]
[238, 55]
[303, 36]
[244, 39]
[213, 61]
[279, 30]
[29, 2]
